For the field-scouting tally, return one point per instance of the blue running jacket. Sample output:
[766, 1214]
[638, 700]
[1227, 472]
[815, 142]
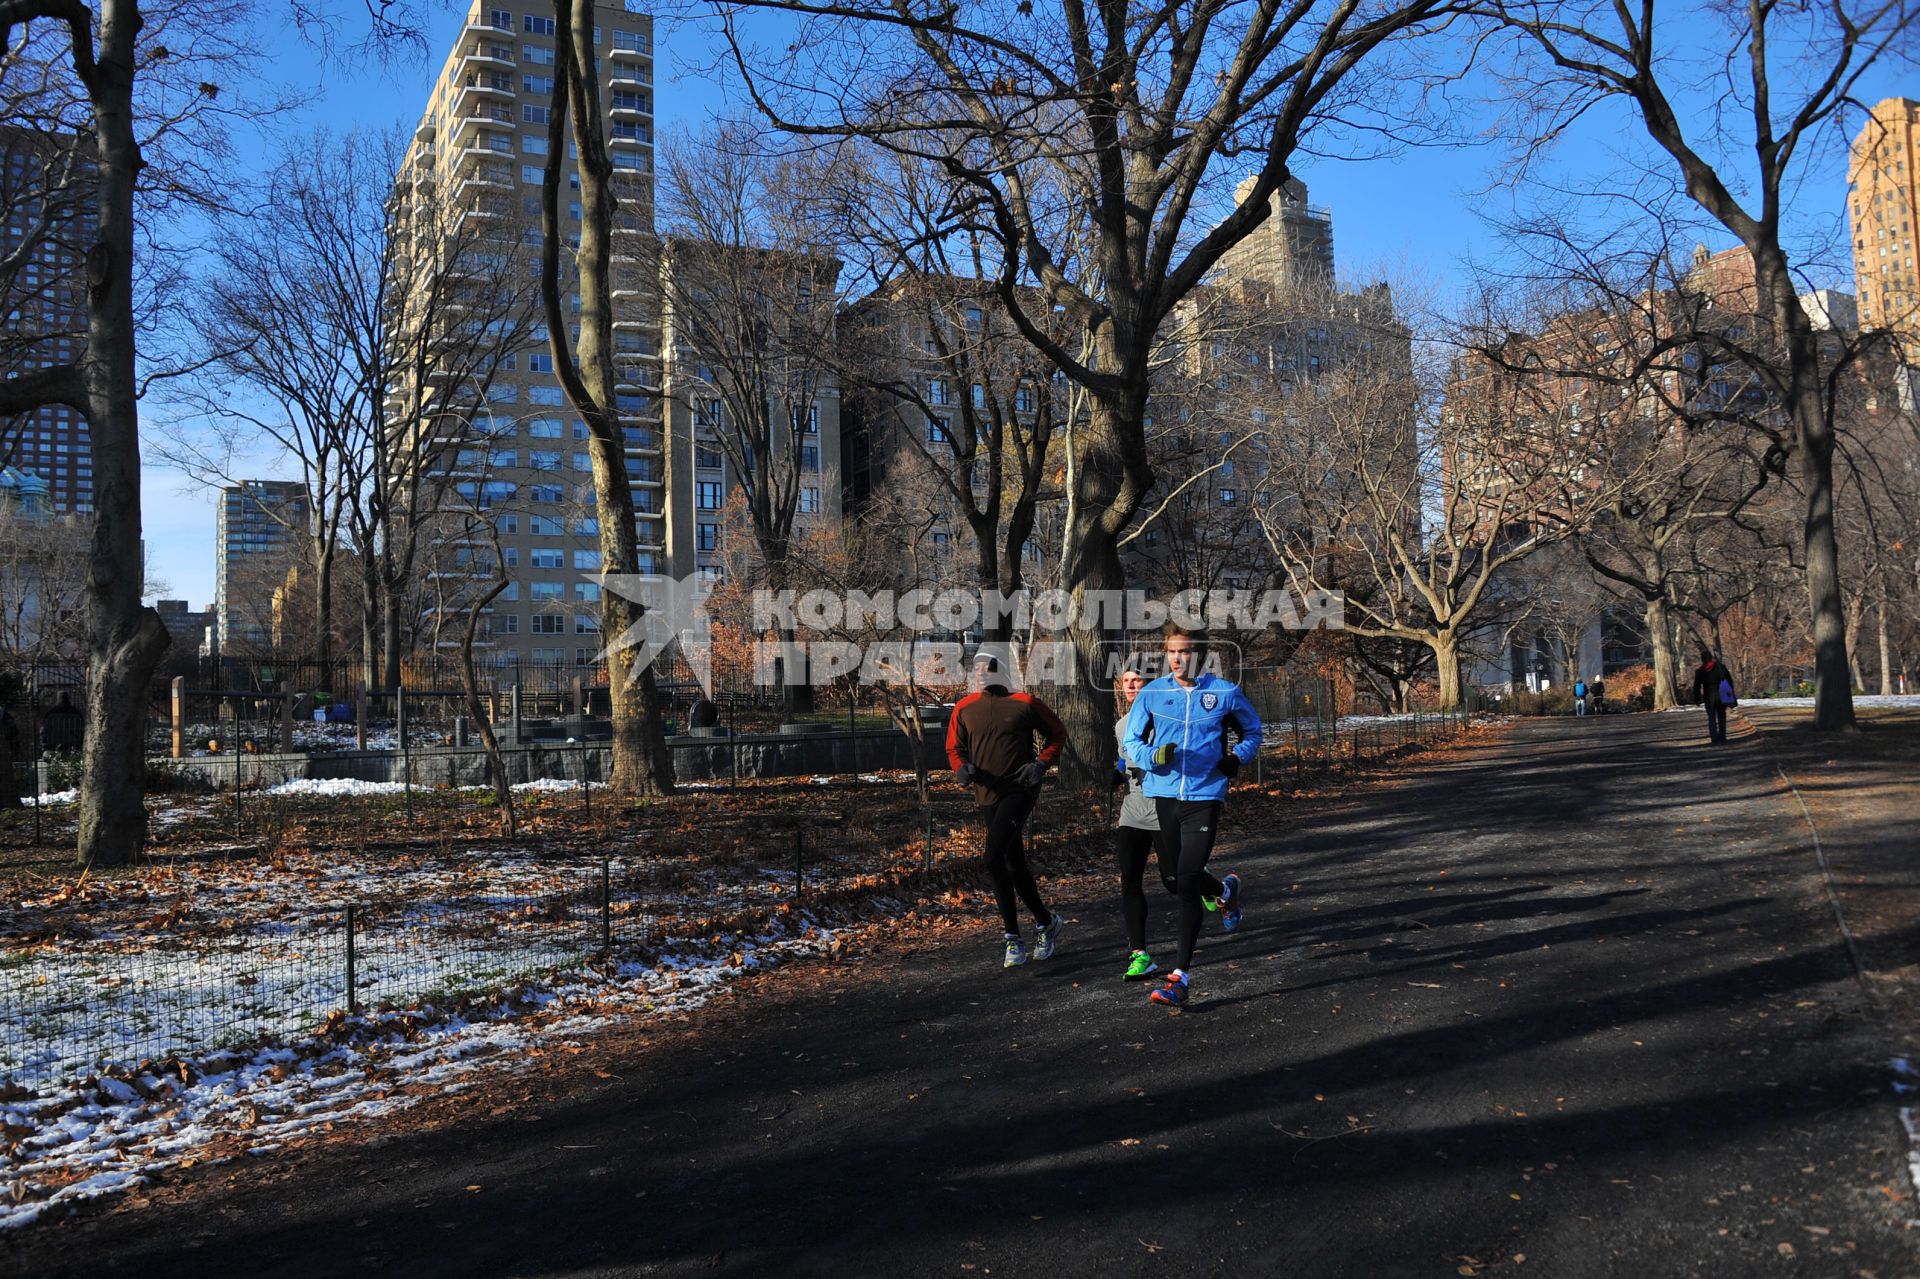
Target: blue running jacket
[1195, 720]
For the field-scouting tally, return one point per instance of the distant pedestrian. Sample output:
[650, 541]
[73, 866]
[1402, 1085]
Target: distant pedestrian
[1137, 839]
[1579, 697]
[1177, 735]
[1599, 694]
[1713, 689]
[990, 744]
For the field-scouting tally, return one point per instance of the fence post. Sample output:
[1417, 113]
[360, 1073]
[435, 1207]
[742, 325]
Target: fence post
[360, 717]
[606, 909]
[799, 862]
[286, 719]
[179, 716]
[353, 998]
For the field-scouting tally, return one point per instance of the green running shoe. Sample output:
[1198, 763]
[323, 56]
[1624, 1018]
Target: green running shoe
[1017, 953]
[1140, 966]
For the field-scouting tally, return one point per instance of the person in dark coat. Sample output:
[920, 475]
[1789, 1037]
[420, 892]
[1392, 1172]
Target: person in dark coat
[1713, 689]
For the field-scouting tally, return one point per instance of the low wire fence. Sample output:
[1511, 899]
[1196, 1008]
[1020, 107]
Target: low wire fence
[73, 1008]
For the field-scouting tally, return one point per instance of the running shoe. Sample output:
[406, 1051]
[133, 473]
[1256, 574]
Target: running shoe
[1016, 953]
[1230, 903]
[1049, 938]
[1140, 966]
[1174, 993]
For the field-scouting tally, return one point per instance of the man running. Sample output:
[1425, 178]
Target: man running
[1713, 688]
[990, 746]
[1177, 735]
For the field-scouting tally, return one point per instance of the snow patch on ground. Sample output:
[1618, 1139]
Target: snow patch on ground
[1908, 700]
[49, 799]
[107, 1134]
[335, 786]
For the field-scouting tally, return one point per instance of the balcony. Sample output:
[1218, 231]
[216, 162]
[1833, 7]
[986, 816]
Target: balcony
[486, 87]
[631, 55]
[485, 57]
[624, 112]
[639, 77]
[426, 131]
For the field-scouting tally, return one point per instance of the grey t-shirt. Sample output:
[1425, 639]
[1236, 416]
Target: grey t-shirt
[1136, 810]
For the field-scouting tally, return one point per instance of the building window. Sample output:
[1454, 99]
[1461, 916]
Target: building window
[937, 392]
[544, 428]
[545, 557]
[548, 395]
[938, 431]
[809, 501]
[1226, 497]
[706, 537]
[532, 144]
[708, 456]
[533, 26]
[539, 362]
[586, 592]
[632, 41]
[809, 457]
[538, 55]
[706, 413]
[545, 590]
[548, 624]
[587, 561]
[1023, 400]
[507, 624]
[535, 115]
[500, 19]
[707, 495]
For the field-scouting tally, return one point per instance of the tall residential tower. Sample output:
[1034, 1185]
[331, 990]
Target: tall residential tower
[1883, 195]
[505, 456]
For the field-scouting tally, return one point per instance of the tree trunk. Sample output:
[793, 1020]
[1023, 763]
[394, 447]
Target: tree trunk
[323, 604]
[470, 680]
[1105, 497]
[1886, 650]
[1832, 687]
[642, 765]
[390, 636]
[125, 639]
[1666, 662]
[1446, 668]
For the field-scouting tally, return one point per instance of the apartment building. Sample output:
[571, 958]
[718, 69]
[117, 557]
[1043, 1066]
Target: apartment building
[494, 428]
[1883, 199]
[751, 397]
[260, 526]
[46, 213]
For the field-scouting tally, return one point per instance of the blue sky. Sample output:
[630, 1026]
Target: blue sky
[1416, 213]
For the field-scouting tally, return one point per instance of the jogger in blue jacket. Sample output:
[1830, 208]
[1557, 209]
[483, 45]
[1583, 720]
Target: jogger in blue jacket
[1177, 734]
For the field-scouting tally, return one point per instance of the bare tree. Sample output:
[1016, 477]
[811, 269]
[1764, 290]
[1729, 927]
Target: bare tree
[1089, 145]
[587, 369]
[1417, 516]
[748, 276]
[132, 104]
[1788, 74]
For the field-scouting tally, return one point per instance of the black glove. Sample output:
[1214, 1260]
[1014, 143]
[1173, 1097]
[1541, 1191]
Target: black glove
[1230, 764]
[1030, 774]
[964, 774]
[1119, 779]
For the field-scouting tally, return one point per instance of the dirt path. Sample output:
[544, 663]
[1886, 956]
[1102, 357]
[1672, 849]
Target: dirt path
[1570, 1003]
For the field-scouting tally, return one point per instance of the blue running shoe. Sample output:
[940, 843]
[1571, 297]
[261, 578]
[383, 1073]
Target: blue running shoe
[1230, 903]
[1017, 953]
[1049, 938]
[1174, 993]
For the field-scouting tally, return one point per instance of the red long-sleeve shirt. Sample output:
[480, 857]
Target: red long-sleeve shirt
[993, 730]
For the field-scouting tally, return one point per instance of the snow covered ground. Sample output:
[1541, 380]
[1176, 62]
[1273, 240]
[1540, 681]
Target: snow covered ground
[107, 1133]
[1909, 700]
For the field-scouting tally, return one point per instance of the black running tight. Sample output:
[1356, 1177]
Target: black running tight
[1187, 830]
[1135, 847]
[1007, 860]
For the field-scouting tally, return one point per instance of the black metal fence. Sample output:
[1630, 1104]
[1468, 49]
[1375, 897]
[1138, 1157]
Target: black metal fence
[80, 1007]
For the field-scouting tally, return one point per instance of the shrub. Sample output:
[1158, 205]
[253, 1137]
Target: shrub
[1631, 689]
